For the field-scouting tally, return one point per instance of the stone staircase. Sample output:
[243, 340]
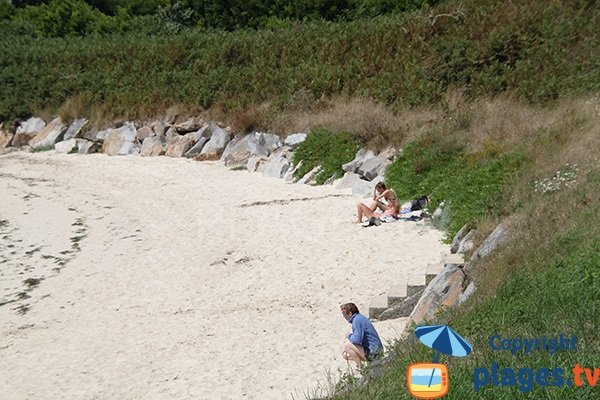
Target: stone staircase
[401, 298]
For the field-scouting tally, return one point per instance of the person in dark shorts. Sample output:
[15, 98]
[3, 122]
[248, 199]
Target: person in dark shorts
[363, 343]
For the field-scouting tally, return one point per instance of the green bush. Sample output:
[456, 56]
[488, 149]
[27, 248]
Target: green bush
[327, 149]
[66, 18]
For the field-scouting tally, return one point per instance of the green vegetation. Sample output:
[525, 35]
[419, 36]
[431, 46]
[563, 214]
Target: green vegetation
[537, 51]
[327, 149]
[470, 185]
[84, 17]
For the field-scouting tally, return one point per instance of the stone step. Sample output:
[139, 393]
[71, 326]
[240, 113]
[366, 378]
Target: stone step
[415, 284]
[396, 294]
[378, 305]
[456, 259]
[403, 308]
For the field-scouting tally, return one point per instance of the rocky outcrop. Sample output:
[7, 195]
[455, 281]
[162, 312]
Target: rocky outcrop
[219, 139]
[86, 146]
[179, 145]
[5, 138]
[361, 156]
[443, 291]
[153, 146]
[49, 135]
[353, 181]
[75, 129]
[490, 244]
[26, 131]
[292, 141]
[66, 146]
[256, 163]
[458, 237]
[191, 125]
[121, 141]
[242, 147]
[144, 132]
[32, 126]
[467, 244]
[310, 176]
[373, 167]
[278, 164]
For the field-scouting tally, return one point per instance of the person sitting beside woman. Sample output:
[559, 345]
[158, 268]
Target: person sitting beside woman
[379, 208]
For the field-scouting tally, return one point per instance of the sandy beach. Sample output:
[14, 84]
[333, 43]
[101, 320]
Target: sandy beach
[160, 278]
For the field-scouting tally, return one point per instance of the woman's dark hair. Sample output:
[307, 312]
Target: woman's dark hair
[350, 307]
[380, 185]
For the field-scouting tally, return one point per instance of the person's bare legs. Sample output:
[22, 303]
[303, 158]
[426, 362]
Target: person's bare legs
[364, 210]
[379, 204]
[354, 352]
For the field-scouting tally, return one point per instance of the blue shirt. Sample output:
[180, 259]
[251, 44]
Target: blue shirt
[364, 334]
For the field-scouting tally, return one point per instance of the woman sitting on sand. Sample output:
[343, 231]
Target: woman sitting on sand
[363, 343]
[390, 208]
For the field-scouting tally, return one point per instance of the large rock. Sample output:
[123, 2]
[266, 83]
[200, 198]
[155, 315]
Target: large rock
[72, 145]
[239, 150]
[160, 128]
[99, 136]
[179, 145]
[490, 244]
[47, 137]
[361, 156]
[278, 164]
[353, 181]
[153, 146]
[86, 147]
[467, 244]
[390, 153]
[218, 140]
[294, 140]
[74, 130]
[310, 176]
[256, 164]
[143, 132]
[197, 148]
[458, 237]
[289, 175]
[373, 167]
[121, 141]
[32, 126]
[5, 138]
[443, 291]
[66, 146]
[171, 133]
[191, 125]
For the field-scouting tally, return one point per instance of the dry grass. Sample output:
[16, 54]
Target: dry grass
[374, 124]
[567, 133]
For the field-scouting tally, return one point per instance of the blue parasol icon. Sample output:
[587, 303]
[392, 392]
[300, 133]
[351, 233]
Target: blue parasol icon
[443, 339]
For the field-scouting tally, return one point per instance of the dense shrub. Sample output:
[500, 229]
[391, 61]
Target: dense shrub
[405, 59]
[327, 149]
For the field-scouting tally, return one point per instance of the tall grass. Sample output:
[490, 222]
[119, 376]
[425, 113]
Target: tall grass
[482, 48]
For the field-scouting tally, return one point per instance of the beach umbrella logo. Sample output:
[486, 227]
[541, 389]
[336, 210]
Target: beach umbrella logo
[431, 380]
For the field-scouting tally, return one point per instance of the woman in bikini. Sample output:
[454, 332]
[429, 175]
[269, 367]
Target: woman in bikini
[390, 208]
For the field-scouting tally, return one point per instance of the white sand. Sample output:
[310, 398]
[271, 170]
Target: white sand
[178, 289]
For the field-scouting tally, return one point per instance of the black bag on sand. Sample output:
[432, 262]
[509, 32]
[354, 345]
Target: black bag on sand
[419, 203]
